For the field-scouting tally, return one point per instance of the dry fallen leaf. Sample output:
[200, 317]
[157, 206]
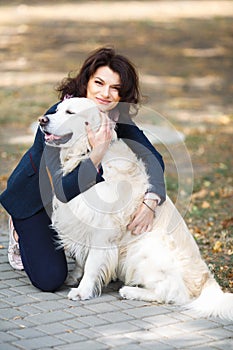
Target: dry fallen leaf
[217, 246]
[227, 223]
[200, 194]
[205, 205]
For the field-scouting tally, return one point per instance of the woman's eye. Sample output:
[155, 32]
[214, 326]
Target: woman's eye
[98, 82]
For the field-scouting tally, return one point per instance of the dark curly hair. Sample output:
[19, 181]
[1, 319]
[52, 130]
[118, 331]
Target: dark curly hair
[77, 86]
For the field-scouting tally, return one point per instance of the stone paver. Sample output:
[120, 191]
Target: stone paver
[30, 319]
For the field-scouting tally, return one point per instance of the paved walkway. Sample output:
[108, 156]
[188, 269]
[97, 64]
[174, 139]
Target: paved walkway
[105, 11]
[31, 319]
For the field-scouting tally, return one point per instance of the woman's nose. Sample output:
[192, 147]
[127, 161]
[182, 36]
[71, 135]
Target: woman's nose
[105, 91]
[43, 120]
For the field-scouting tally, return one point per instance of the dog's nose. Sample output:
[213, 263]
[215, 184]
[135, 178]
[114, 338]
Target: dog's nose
[43, 120]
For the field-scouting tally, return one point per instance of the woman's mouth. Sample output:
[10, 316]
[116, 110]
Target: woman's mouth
[103, 101]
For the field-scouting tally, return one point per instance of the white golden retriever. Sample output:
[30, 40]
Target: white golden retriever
[163, 265]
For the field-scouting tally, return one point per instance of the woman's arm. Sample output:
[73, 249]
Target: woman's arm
[141, 146]
[143, 218]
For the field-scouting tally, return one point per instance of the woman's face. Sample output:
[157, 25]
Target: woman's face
[103, 88]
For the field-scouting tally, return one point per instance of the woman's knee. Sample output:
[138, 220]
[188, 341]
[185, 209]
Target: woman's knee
[51, 280]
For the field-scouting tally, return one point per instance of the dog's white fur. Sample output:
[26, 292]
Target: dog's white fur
[163, 265]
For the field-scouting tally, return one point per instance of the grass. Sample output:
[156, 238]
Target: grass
[210, 217]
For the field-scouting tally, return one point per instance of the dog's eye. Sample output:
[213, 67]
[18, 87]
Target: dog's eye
[69, 112]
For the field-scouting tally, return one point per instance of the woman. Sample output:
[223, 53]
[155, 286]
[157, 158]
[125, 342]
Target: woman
[107, 78]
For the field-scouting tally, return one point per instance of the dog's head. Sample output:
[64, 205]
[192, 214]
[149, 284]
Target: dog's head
[66, 126]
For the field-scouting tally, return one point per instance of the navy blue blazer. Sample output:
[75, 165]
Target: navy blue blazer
[29, 187]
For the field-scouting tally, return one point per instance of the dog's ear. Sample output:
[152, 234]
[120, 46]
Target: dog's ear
[72, 156]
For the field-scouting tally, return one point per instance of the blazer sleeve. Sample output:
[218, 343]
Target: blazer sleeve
[66, 187]
[141, 146]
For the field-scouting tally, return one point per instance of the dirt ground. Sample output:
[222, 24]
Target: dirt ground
[183, 51]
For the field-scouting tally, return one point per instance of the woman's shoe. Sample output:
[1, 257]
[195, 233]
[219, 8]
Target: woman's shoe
[14, 256]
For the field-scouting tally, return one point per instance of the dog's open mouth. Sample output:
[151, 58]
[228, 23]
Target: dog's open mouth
[55, 139]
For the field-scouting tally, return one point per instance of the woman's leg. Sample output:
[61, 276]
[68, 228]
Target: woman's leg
[44, 263]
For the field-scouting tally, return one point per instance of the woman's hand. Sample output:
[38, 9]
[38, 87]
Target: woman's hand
[143, 218]
[100, 139]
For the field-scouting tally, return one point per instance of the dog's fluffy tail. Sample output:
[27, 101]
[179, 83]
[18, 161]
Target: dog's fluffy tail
[213, 302]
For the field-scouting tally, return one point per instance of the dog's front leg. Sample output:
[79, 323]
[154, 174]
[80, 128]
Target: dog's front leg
[74, 277]
[99, 269]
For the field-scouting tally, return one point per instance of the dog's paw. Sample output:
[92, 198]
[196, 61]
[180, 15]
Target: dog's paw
[78, 294]
[127, 293]
[73, 294]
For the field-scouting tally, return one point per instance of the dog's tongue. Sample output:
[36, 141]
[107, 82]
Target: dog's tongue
[51, 137]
